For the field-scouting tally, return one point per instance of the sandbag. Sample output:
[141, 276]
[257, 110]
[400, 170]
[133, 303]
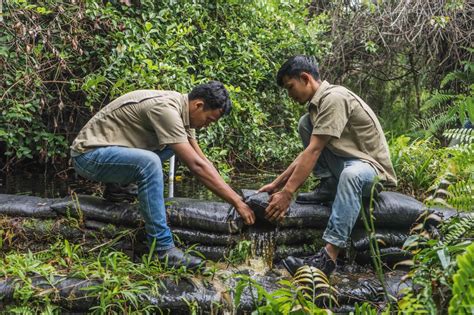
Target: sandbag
[289, 236]
[25, 206]
[71, 291]
[395, 210]
[214, 253]
[298, 215]
[73, 294]
[282, 236]
[203, 215]
[391, 210]
[190, 237]
[284, 251]
[97, 209]
[389, 256]
[385, 238]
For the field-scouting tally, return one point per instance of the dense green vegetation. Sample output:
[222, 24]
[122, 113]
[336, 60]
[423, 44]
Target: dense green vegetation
[63, 61]
[66, 61]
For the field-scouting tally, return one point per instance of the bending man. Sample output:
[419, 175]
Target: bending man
[128, 139]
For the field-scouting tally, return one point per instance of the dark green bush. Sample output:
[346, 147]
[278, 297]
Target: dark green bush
[63, 61]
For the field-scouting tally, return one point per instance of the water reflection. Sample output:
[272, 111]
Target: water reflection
[52, 186]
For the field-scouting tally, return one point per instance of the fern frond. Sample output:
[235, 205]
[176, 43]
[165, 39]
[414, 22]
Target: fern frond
[455, 231]
[461, 195]
[464, 76]
[463, 135]
[315, 283]
[437, 99]
[462, 301]
[434, 122]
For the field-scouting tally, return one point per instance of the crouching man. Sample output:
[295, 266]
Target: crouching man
[127, 141]
[344, 146]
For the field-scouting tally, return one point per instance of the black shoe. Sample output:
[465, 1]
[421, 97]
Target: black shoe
[117, 193]
[175, 258]
[321, 261]
[325, 192]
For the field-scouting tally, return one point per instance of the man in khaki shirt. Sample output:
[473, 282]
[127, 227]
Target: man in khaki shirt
[344, 146]
[128, 139]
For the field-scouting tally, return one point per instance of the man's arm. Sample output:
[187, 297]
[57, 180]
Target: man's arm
[303, 165]
[198, 150]
[211, 179]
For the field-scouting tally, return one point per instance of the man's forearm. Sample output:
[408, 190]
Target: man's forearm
[306, 162]
[302, 169]
[209, 176]
[281, 180]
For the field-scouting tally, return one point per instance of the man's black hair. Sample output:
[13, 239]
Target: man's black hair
[293, 67]
[214, 95]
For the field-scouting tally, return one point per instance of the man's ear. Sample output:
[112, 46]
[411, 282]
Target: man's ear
[305, 77]
[199, 104]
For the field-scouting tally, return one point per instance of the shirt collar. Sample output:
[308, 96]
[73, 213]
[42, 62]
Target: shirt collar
[185, 106]
[319, 93]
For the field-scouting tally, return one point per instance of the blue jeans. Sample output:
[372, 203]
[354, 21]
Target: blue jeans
[355, 178]
[122, 165]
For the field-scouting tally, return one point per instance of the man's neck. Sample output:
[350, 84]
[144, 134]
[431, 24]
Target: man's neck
[315, 84]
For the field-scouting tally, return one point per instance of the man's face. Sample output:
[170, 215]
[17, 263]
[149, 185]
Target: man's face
[201, 118]
[299, 89]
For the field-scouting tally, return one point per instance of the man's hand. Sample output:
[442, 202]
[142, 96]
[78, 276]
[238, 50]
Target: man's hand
[246, 213]
[269, 188]
[278, 206]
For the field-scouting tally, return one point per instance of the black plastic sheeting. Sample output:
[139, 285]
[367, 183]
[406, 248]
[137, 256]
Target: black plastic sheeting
[352, 286]
[385, 238]
[72, 296]
[360, 288]
[204, 215]
[26, 206]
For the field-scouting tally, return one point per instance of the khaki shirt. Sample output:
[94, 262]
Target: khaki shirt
[355, 130]
[144, 119]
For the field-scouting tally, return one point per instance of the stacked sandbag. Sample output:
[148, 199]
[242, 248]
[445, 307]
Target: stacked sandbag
[389, 242]
[213, 227]
[299, 234]
[393, 215]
